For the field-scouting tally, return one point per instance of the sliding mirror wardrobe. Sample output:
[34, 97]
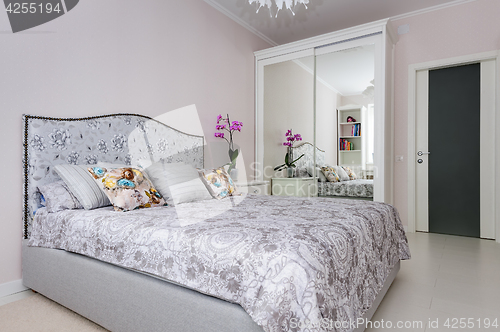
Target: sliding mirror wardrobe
[335, 91]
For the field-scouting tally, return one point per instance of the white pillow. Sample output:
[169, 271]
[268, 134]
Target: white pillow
[177, 182]
[341, 173]
[82, 185]
[319, 173]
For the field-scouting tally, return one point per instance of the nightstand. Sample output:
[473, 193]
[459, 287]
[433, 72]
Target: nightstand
[253, 187]
[301, 187]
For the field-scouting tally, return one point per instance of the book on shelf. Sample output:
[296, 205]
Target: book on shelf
[345, 145]
[356, 130]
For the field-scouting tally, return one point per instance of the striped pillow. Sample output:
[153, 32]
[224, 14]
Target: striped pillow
[177, 182]
[82, 186]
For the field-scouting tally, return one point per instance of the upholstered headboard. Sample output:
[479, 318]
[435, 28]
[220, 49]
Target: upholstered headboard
[307, 149]
[115, 138]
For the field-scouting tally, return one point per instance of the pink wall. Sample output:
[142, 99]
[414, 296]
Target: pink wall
[459, 30]
[119, 56]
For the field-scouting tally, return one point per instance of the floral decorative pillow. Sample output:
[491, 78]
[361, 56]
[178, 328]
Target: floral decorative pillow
[330, 174]
[350, 173]
[218, 182]
[127, 188]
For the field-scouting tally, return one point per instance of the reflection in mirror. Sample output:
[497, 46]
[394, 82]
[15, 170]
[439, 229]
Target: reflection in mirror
[288, 105]
[345, 108]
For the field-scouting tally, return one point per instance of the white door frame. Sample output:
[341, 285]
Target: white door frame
[443, 63]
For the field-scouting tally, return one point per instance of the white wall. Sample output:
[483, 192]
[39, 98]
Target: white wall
[464, 29]
[326, 122]
[146, 57]
[356, 100]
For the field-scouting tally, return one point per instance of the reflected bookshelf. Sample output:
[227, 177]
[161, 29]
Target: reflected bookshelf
[351, 143]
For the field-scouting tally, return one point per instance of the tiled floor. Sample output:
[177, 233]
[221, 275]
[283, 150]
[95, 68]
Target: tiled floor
[448, 277]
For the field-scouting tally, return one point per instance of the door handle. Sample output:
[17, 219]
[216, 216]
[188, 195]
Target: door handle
[420, 153]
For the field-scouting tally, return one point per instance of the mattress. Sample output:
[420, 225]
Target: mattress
[285, 260]
[352, 188]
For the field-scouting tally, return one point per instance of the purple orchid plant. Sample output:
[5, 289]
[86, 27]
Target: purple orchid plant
[224, 124]
[290, 140]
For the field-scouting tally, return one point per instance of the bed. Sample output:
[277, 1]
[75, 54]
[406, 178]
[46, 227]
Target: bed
[358, 188]
[244, 263]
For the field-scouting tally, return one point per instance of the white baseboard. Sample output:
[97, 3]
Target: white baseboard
[12, 287]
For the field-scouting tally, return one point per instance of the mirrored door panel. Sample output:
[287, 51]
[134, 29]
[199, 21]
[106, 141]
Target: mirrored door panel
[288, 114]
[345, 90]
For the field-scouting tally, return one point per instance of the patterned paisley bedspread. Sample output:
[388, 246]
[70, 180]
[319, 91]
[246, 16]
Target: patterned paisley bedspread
[352, 188]
[290, 262]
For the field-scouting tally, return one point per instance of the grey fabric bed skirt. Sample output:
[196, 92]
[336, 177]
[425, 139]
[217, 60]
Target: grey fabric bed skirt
[122, 300]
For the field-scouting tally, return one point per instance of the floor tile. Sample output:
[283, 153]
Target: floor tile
[449, 277]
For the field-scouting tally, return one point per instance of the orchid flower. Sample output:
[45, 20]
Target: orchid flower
[290, 139]
[233, 126]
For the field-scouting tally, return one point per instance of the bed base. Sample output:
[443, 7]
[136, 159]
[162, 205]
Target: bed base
[122, 300]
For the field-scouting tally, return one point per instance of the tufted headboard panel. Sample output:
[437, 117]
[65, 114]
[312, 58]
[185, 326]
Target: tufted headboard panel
[116, 138]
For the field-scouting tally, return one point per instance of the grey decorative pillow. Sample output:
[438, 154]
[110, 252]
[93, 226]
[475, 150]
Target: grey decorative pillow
[177, 182]
[82, 185]
[58, 197]
[341, 173]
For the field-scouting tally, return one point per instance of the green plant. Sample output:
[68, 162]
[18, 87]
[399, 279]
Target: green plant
[287, 163]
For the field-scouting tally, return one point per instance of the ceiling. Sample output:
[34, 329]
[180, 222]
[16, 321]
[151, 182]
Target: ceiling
[322, 16]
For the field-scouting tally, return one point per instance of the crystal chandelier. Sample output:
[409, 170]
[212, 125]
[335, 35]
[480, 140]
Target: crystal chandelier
[290, 4]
